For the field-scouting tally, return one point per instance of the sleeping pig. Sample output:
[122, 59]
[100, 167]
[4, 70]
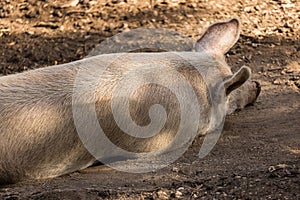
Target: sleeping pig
[147, 106]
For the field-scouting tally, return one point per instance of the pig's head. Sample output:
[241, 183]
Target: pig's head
[215, 42]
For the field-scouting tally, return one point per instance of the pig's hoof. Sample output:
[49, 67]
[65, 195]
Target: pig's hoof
[257, 92]
[258, 87]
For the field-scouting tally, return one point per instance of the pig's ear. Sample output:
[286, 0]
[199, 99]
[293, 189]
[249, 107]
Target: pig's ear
[219, 37]
[237, 79]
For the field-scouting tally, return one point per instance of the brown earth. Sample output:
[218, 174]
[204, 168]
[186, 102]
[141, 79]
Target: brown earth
[258, 154]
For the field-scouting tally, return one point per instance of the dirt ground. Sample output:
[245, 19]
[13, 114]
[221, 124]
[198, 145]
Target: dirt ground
[258, 154]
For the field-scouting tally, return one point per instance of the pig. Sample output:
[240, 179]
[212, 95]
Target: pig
[39, 137]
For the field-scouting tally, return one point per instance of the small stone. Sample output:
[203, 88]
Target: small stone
[30, 32]
[247, 9]
[162, 195]
[180, 188]
[278, 81]
[257, 32]
[31, 14]
[192, 5]
[175, 169]
[293, 67]
[289, 83]
[178, 194]
[297, 83]
[20, 21]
